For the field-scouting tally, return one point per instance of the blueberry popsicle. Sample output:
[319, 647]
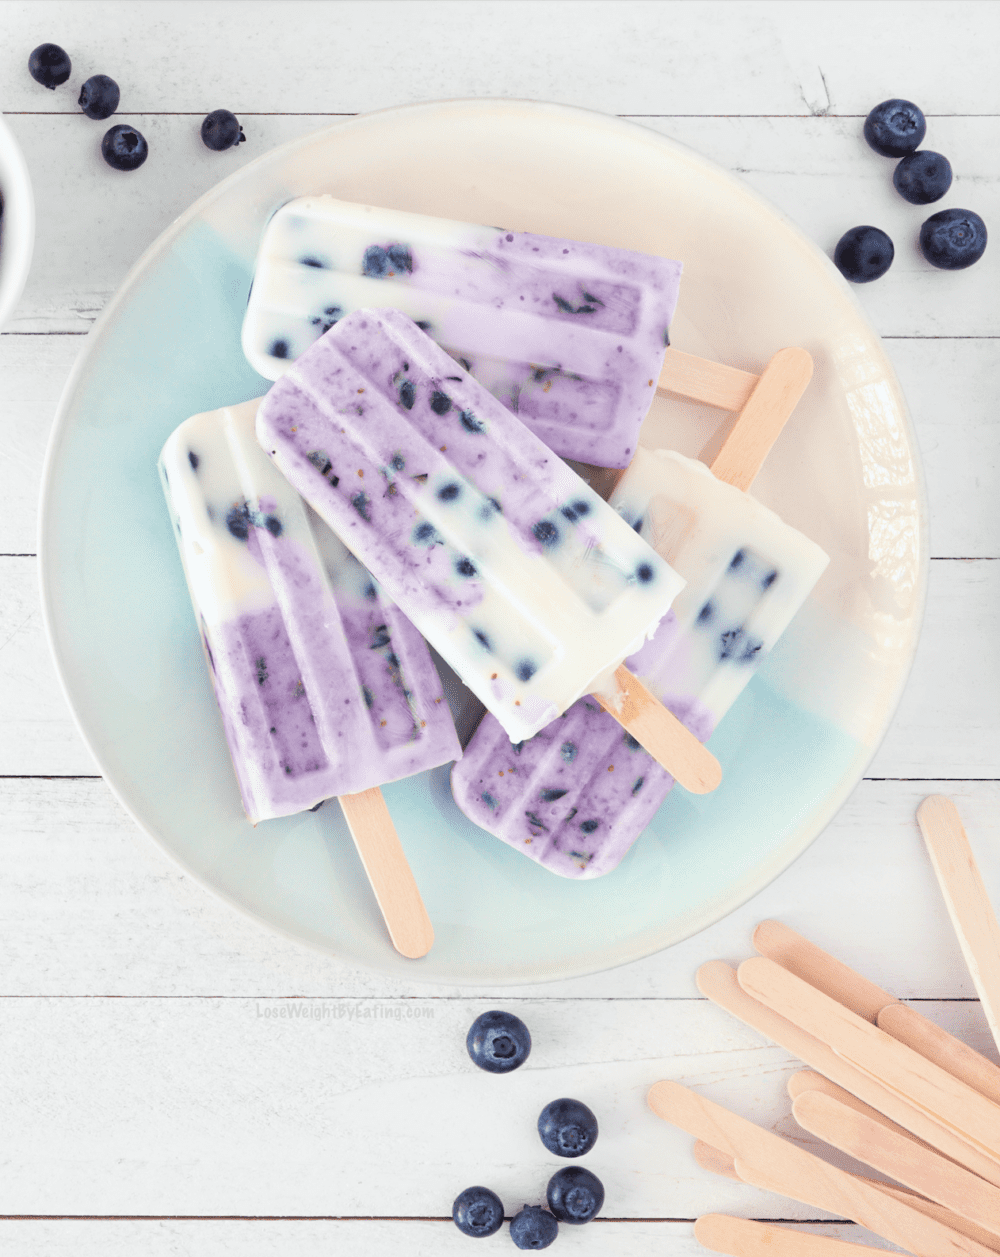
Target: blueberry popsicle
[521, 577]
[570, 336]
[577, 795]
[325, 689]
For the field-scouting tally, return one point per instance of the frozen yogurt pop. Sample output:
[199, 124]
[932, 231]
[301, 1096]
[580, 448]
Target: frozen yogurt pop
[569, 336]
[324, 687]
[523, 578]
[577, 795]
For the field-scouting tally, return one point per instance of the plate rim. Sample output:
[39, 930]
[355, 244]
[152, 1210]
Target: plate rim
[688, 924]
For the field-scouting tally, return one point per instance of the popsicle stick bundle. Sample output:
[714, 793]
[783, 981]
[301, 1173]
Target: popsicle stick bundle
[885, 1085]
[430, 377]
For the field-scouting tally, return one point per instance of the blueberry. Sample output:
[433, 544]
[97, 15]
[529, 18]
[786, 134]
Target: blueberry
[440, 402]
[498, 1042]
[99, 97]
[567, 1128]
[124, 148]
[49, 65]
[953, 239]
[533, 1227]
[923, 177]
[221, 130]
[863, 254]
[477, 1212]
[575, 1195]
[895, 128]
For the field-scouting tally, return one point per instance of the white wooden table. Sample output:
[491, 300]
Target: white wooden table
[174, 1079]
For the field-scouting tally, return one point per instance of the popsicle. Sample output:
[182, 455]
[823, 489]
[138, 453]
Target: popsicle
[576, 796]
[522, 578]
[325, 689]
[568, 335]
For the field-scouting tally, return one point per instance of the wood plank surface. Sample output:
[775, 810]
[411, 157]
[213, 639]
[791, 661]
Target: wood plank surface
[164, 1055]
[375, 1237]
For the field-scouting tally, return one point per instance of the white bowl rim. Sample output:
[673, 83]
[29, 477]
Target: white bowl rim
[17, 232]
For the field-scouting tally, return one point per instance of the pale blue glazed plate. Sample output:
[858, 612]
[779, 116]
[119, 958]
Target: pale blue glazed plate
[845, 472]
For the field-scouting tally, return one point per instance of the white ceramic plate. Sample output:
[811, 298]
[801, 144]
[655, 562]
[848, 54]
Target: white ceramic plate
[845, 472]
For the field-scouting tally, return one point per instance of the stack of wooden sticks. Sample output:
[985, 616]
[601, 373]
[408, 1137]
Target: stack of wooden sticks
[886, 1086]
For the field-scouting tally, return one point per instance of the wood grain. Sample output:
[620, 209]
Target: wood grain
[701, 380]
[741, 1237]
[926, 1037]
[766, 1161]
[720, 983]
[893, 1064]
[874, 1144]
[720, 1163]
[807, 1082]
[968, 903]
[798, 955]
[767, 410]
[660, 733]
[388, 871]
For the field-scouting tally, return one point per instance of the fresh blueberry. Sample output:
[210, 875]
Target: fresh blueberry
[953, 239]
[99, 97]
[575, 1195]
[221, 130]
[567, 1128]
[923, 177]
[895, 128]
[124, 148]
[477, 1212]
[49, 65]
[498, 1042]
[533, 1227]
[863, 254]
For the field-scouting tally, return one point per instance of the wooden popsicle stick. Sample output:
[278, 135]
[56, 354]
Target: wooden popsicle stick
[785, 947]
[766, 1160]
[896, 1066]
[899, 1157]
[701, 380]
[799, 956]
[912, 1228]
[767, 410]
[718, 982]
[807, 1081]
[715, 1161]
[968, 903]
[740, 1237]
[719, 1163]
[388, 871]
[659, 732]
[918, 1032]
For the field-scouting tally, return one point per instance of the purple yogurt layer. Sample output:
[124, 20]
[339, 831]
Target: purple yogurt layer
[517, 572]
[569, 335]
[576, 796]
[324, 686]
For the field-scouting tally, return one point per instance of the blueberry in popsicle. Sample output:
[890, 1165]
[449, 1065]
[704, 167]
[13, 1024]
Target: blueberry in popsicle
[576, 796]
[570, 336]
[519, 575]
[325, 689]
